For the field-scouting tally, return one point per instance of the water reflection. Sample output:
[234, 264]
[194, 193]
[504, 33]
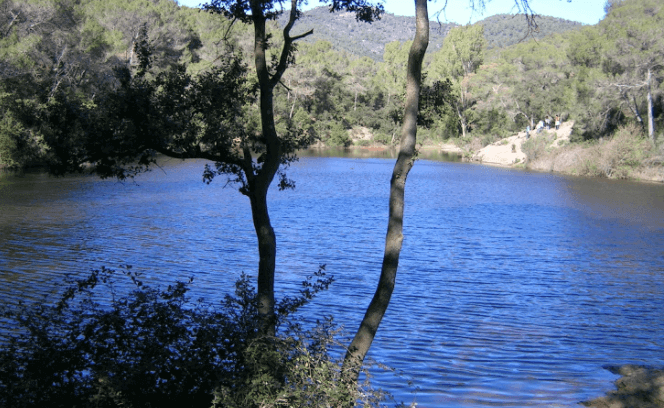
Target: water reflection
[378, 152]
[632, 202]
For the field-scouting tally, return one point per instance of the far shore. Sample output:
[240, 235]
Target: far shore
[624, 156]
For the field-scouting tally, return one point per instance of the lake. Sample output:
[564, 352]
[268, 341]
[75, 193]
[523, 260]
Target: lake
[514, 288]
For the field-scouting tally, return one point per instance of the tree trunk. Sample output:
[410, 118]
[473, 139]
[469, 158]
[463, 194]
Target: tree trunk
[635, 110]
[651, 123]
[271, 159]
[462, 121]
[290, 115]
[267, 250]
[461, 109]
[364, 337]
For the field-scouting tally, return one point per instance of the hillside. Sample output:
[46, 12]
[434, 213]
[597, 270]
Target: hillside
[503, 30]
[363, 39]
[369, 40]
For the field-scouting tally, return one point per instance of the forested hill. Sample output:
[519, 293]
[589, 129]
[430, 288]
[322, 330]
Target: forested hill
[503, 30]
[362, 39]
[344, 33]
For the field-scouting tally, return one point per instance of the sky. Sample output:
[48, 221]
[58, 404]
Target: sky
[458, 11]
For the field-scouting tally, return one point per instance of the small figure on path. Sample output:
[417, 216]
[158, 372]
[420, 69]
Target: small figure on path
[540, 126]
[557, 122]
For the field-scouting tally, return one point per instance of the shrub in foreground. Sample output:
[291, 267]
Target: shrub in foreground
[155, 348]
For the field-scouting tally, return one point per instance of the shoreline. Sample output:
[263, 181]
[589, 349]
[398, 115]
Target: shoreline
[638, 387]
[653, 175]
[624, 156]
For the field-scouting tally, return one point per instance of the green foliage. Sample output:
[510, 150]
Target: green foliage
[10, 132]
[336, 135]
[494, 122]
[458, 60]
[461, 55]
[98, 347]
[436, 115]
[574, 74]
[586, 48]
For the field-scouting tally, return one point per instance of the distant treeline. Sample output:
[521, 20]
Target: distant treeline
[61, 61]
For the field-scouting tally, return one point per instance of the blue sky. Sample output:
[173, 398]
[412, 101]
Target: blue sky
[457, 11]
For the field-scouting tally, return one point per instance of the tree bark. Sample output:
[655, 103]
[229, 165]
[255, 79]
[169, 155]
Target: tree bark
[267, 250]
[271, 159]
[361, 343]
[635, 110]
[651, 122]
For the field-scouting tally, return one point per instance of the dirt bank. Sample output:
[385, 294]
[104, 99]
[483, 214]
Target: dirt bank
[511, 151]
[639, 387]
[625, 155]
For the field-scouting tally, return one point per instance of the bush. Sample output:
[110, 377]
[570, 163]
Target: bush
[537, 145]
[619, 157]
[382, 138]
[338, 135]
[153, 348]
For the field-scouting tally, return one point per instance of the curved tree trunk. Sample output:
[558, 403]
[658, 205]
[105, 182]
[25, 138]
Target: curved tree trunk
[267, 243]
[364, 337]
[270, 160]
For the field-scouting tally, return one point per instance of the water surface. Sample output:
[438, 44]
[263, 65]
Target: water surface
[514, 288]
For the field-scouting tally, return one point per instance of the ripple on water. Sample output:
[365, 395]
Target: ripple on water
[514, 288]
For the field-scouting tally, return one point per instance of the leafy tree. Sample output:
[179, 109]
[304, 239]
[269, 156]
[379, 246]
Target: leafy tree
[360, 70]
[276, 152]
[57, 54]
[586, 48]
[493, 112]
[526, 82]
[183, 117]
[391, 75]
[636, 63]
[461, 56]
[436, 110]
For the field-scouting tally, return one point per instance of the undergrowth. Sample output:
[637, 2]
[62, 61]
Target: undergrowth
[625, 153]
[156, 348]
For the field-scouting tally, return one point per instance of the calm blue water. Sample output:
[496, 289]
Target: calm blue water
[514, 288]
